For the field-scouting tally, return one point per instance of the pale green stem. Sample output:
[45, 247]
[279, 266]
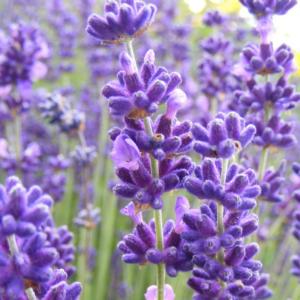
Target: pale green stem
[263, 163]
[220, 212]
[130, 50]
[160, 279]
[13, 249]
[160, 274]
[213, 106]
[30, 294]
[18, 141]
[86, 232]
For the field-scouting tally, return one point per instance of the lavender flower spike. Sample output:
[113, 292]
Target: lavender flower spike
[122, 21]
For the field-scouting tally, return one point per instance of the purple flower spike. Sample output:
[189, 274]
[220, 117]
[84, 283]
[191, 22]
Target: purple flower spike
[23, 53]
[22, 212]
[239, 272]
[133, 168]
[122, 21]
[223, 137]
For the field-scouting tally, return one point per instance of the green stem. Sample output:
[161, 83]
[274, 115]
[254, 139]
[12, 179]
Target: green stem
[220, 211]
[263, 163]
[160, 273]
[213, 106]
[129, 46]
[30, 294]
[18, 141]
[13, 249]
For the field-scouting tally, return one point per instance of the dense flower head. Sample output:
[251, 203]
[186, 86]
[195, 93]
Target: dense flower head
[122, 21]
[83, 156]
[224, 136]
[271, 184]
[265, 8]
[29, 161]
[22, 52]
[239, 272]
[134, 170]
[279, 96]
[238, 193]
[213, 18]
[31, 248]
[22, 212]
[139, 247]
[215, 74]
[137, 94]
[54, 181]
[265, 60]
[276, 132]
[57, 109]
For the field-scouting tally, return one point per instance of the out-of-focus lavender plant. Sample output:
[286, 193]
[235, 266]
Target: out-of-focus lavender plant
[32, 249]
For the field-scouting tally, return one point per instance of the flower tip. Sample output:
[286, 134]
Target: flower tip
[177, 100]
[151, 293]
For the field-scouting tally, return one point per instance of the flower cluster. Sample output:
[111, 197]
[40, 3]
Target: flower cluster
[240, 190]
[239, 271]
[30, 247]
[137, 94]
[23, 52]
[265, 8]
[276, 132]
[271, 184]
[281, 96]
[264, 60]
[139, 247]
[122, 21]
[57, 110]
